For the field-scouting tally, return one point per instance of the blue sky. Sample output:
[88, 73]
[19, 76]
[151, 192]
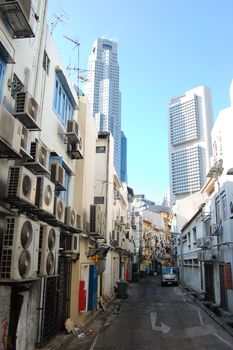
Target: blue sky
[165, 47]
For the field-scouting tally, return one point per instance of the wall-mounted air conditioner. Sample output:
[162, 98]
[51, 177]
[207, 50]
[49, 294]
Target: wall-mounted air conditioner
[75, 150]
[71, 218]
[20, 248]
[45, 194]
[49, 249]
[72, 132]
[21, 186]
[27, 110]
[57, 176]
[10, 131]
[59, 209]
[25, 145]
[97, 220]
[40, 158]
[71, 244]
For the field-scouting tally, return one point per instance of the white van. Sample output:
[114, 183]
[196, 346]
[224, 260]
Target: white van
[169, 275]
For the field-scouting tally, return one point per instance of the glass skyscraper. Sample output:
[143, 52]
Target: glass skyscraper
[190, 124]
[102, 90]
[123, 157]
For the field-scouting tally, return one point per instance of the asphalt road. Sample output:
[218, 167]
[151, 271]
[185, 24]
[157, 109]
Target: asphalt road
[156, 317]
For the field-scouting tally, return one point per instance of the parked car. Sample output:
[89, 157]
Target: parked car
[169, 275]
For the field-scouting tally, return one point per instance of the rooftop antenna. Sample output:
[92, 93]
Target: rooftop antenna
[58, 18]
[79, 78]
[77, 44]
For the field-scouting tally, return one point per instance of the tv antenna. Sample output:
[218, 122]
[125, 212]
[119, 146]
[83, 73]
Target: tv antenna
[60, 17]
[79, 78]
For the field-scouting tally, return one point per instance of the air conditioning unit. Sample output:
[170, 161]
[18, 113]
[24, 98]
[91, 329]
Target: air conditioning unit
[72, 132]
[75, 150]
[45, 194]
[49, 249]
[21, 186]
[40, 158]
[71, 244]
[10, 131]
[20, 248]
[70, 218]
[25, 145]
[27, 110]
[207, 255]
[58, 176]
[59, 209]
[97, 220]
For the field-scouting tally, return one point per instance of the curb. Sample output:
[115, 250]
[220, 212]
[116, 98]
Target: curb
[61, 340]
[209, 312]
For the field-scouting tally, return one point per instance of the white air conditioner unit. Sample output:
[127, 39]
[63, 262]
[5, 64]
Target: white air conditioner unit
[72, 244]
[57, 176]
[45, 194]
[21, 187]
[49, 249]
[72, 132]
[97, 220]
[20, 248]
[75, 150]
[27, 110]
[40, 158]
[25, 145]
[71, 218]
[10, 130]
[59, 209]
[207, 255]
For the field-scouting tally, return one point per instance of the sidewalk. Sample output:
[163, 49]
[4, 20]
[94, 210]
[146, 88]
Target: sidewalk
[84, 336]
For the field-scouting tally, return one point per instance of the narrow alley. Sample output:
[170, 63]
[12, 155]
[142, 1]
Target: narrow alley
[155, 317]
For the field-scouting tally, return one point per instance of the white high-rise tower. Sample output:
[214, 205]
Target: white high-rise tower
[190, 124]
[102, 90]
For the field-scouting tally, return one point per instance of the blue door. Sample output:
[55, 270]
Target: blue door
[92, 293]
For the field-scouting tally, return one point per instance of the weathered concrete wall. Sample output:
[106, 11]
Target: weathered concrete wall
[5, 297]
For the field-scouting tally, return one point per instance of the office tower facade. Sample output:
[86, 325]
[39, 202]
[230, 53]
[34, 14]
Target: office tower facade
[190, 124]
[123, 157]
[102, 90]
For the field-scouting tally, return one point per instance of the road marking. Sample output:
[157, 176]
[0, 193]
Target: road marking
[94, 342]
[163, 328]
[223, 340]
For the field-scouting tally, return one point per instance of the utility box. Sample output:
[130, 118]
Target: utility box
[122, 289]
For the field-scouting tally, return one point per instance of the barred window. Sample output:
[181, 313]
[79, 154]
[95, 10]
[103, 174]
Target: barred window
[16, 86]
[46, 62]
[98, 200]
[100, 149]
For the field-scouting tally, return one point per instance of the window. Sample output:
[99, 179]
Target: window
[16, 86]
[2, 74]
[65, 194]
[46, 62]
[194, 235]
[61, 103]
[224, 207]
[100, 149]
[98, 200]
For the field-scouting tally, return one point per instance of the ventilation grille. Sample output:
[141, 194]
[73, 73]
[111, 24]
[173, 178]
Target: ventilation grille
[13, 182]
[6, 263]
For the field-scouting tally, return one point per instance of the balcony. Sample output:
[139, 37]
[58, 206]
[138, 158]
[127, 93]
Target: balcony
[17, 15]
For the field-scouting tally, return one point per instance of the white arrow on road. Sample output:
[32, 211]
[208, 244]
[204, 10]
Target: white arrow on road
[163, 328]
